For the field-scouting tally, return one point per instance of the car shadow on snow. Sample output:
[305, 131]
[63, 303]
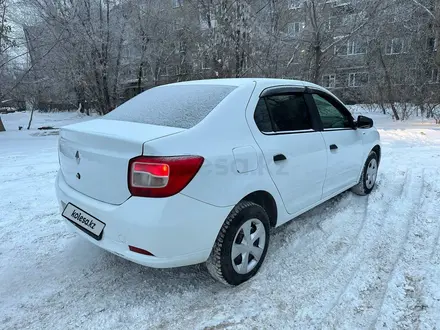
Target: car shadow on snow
[102, 267]
[110, 265]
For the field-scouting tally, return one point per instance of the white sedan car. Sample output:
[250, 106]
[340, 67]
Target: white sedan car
[201, 171]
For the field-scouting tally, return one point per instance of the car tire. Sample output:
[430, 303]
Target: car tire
[368, 177]
[247, 223]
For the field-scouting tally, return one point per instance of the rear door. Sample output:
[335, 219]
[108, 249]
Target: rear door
[293, 149]
[343, 143]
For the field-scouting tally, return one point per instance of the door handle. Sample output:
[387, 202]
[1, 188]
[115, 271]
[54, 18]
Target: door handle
[279, 158]
[333, 147]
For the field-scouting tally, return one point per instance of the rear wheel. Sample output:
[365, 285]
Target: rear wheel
[368, 177]
[241, 245]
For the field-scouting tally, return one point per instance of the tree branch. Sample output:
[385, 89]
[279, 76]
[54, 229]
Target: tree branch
[417, 3]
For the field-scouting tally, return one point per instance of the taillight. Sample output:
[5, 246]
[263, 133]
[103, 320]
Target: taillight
[150, 176]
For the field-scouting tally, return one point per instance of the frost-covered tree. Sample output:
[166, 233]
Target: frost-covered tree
[226, 40]
[85, 42]
[6, 44]
[402, 56]
[97, 53]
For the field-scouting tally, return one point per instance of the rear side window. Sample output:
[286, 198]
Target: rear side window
[262, 118]
[181, 106]
[287, 113]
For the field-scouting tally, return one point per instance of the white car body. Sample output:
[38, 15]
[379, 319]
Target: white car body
[238, 161]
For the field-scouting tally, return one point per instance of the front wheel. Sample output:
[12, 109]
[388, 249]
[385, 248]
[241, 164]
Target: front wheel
[241, 244]
[368, 177]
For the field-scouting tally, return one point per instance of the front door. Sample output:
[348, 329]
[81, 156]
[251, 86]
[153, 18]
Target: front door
[294, 151]
[343, 144]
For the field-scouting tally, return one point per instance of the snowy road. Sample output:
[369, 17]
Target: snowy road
[351, 263]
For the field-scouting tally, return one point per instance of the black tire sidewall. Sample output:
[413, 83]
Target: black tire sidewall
[372, 155]
[228, 271]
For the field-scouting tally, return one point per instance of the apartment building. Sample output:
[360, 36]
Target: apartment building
[359, 49]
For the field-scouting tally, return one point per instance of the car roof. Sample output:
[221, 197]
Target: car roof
[245, 81]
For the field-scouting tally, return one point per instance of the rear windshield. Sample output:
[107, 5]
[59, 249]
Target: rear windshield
[176, 106]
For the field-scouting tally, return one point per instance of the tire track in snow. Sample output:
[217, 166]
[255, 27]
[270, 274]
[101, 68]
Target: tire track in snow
[347, 252]
[337, 283]
[414, 194]
[435, 255]
[411, 301]
[350, 293]
[363, 298]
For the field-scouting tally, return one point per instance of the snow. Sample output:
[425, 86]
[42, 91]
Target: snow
[353, 262]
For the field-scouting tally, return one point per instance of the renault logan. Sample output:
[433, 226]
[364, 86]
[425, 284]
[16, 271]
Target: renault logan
[201, 171]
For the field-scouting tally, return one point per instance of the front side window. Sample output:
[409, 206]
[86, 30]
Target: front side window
[331, 117]
[288, 112]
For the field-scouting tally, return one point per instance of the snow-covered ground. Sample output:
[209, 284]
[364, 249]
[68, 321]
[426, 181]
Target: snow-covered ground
[351, 263]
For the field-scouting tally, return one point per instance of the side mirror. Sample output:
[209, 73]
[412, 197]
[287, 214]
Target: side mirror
[364, 122]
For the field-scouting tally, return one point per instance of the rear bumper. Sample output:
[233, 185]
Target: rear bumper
[178, 231]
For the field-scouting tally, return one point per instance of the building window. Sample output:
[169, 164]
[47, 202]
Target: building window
[177, 3]
[127, 71]
[295, 28]
[357, 79]
[169, 70]
[178, 24]
[349, 19]
[145, 72]
[126, 52]
[357, 47]
[245, 62]
[331, 23]
[295, 4]
[329, 81]
[432, 44]
[206, 63]
[435, 76]
[207, 21]
[181, 47]
[394, 46]
[340, 3]
[183, 69]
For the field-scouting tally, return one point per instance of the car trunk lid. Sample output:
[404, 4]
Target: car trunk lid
[94, 155]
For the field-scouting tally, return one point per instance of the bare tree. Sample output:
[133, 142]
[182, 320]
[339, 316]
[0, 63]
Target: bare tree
[5, 45]
[91, 31]
[97, 53]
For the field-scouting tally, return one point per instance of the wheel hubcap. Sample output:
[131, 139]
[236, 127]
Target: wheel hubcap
[248, 246]
[371, 175]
